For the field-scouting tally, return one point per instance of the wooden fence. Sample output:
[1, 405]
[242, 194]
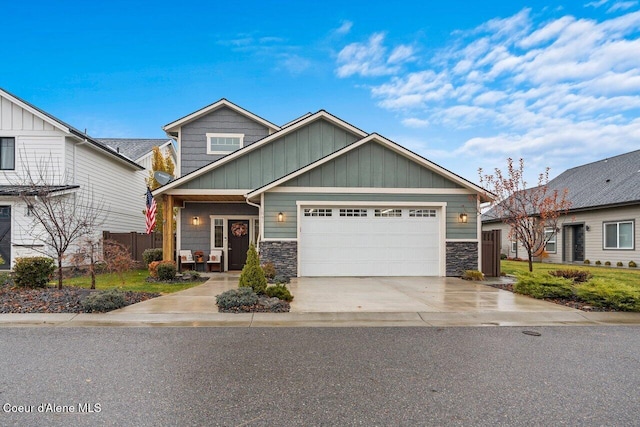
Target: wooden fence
[136, 242]
[491, 241]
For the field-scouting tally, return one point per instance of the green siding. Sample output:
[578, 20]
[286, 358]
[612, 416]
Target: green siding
[276, 159]
[372, 165]
[286, 203]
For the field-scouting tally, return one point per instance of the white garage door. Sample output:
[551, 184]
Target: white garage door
[364, 241]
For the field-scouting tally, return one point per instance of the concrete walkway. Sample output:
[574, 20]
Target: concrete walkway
[332, 302]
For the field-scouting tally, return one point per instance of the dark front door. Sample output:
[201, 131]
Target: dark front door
[238, 243]
[578, 243]
[5, 237]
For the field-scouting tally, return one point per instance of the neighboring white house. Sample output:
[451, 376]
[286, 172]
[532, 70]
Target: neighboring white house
[29, 137]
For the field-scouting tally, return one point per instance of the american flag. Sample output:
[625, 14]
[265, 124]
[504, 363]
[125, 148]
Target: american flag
[150, 215]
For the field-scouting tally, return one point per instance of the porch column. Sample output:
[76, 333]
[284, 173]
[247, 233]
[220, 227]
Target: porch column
[167, 227]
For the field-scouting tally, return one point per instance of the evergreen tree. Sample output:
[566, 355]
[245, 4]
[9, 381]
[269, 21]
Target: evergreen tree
[252, 274]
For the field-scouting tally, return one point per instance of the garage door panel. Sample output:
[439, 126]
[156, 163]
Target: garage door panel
[369, 245]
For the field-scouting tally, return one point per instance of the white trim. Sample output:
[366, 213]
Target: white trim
[479, 233]
[442, 221]
[372, 204]
[215, 106]
[196, 192]
[370, 190]
[462, 240]
[178, 234]
[274, 239]
[35, 112]
[210, 135]
[384, 141]
[225, 232]
[148, 154]
[261, 214]
[249, 148]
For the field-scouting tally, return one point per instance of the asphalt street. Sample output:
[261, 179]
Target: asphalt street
[320, 376]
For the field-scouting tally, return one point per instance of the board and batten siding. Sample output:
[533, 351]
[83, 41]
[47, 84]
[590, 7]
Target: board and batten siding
[275, 203]
[193, 136]
[371, 165]
[15, 118]
[276, 158]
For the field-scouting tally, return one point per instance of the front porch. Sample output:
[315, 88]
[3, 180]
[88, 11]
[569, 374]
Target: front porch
[210, 222]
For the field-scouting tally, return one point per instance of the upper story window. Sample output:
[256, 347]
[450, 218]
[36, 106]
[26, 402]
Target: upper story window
[618, 235]
[7, 153]
[224, 143]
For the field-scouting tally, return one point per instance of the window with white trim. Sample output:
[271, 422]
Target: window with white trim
[618, 235]
[514, 246]
[550, 238]
[388, 213]
[422, 213]
[317, 212]
[353, 212]
[224, 143]
[218, 232]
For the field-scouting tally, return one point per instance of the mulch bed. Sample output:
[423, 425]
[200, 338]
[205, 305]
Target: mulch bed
[568, 302]
[52, 300]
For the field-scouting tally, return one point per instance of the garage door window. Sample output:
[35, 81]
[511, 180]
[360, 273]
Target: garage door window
[317, 212]
[388, 212]
[421, 213]
[353, 212]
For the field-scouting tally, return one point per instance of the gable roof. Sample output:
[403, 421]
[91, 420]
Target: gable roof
[322, 114]
[134, 148]
[610, 182]
[172, 127]
[607, 182]
[387, 143]
[62, 126]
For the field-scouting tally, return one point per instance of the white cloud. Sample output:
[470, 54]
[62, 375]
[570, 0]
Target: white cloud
[596, 4]
[525, 85]
[401, 54]
[371, 59]
[622, 5]
[344, 28]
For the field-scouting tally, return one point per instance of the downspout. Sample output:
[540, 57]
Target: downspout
[260, 218]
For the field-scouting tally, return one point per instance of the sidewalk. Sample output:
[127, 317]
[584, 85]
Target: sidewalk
[342, 302]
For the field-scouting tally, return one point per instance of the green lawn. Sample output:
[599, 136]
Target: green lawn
[134, 280]
[629, 276]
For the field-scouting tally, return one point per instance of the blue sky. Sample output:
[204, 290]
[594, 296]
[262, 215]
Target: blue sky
[464, 83]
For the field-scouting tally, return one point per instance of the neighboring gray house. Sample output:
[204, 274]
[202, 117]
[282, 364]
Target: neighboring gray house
[601, 223]
[319, 197]
[140, 149]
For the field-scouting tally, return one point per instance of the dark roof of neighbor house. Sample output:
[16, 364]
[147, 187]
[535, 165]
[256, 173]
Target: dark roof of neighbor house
[133, 148]
[30, 190]
[614, 181]
[75, 131]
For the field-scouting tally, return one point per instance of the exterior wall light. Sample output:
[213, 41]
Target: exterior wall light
[195, 220]
[463, 217]
[280, 217]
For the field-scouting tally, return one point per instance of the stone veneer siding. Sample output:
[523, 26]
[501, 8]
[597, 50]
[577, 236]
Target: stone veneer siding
[283, 255]
[461, 256]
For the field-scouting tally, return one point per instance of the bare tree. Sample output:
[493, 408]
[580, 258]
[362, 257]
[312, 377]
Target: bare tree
[62, 213]
[532, 214]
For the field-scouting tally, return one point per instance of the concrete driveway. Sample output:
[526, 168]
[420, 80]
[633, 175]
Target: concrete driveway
[407, 294]
[359, 295]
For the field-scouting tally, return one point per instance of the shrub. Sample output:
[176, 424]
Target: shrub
[252, 274]
[236, 298]
[472, 275]
[598, 262]
[503, 256]
[104, 301]
[166, 270]
[281, 279]
[610, 294]
[543, 286]
[619, 264]
[607, 263]
[586, 261]
[279, 291]
[577, 276]
[33, 271]
[632, 264]
[269, 270]
[5, 278]
[153, 268]
[151, 255]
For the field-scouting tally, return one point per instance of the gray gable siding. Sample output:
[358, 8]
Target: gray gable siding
[372, 165]
[193, 138]
[276, 158]
[275, 203]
